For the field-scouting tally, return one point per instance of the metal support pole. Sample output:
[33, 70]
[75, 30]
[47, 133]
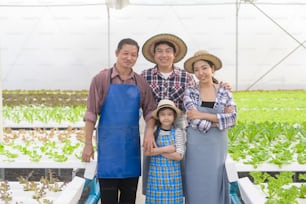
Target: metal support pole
[2, 174]
[108, 36]
[237, 48]
[74, 172]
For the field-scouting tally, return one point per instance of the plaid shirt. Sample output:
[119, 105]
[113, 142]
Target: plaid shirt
[224, 99]
[172, 88]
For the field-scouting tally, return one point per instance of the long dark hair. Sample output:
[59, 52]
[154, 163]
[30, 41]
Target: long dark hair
[158, 124]
[215, 81]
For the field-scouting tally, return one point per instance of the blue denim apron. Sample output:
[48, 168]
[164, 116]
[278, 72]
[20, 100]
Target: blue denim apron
[118, 133]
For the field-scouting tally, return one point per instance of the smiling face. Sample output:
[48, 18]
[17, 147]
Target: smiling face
[164, 56]
[166, 117]
[203, 71]
[126, 56]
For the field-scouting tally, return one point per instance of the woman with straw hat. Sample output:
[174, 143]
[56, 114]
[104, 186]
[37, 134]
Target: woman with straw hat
[211, 110]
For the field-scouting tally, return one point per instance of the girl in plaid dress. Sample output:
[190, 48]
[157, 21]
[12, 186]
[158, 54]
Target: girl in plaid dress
[164, 179]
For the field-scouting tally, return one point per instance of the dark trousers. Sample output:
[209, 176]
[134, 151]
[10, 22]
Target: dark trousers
[109, 190]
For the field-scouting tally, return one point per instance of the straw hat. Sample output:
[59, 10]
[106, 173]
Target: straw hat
[202, 55]
[179, 44]
[165, 103]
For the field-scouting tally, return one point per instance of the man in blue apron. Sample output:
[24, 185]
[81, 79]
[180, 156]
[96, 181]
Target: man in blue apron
[116, 94]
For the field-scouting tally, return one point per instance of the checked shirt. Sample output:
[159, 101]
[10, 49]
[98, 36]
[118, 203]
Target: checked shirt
[171, 88]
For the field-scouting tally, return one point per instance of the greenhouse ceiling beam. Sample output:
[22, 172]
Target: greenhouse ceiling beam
[117, 4]
[289, 34]
[237, 44]
[300, 44]
[145, 3]
[273, 67]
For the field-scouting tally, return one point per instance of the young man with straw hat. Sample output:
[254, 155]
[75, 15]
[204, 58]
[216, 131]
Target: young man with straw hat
[166, 80]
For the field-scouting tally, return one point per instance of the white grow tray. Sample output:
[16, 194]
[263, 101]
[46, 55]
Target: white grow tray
[70, 195]
[267, 167]
[252, 194]
[23, 161]
[39, 124]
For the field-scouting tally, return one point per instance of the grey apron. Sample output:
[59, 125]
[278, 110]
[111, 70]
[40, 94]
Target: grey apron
[204, 175]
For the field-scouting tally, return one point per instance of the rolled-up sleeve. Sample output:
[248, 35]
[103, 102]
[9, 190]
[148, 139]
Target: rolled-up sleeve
[91, 111]
[96, 95]
[190, 99]
[148, 103]
[180, 139]
[227, 120]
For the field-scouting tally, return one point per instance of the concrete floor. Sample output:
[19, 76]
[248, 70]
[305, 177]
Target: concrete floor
[140, 198]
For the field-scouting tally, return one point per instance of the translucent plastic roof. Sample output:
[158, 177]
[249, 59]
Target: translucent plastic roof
[262, 44]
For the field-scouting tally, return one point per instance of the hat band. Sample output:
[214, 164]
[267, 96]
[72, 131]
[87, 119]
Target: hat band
[166, 106]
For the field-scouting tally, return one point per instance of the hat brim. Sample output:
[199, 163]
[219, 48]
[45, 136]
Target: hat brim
[179, 44]
[155, 112]
[208, 57]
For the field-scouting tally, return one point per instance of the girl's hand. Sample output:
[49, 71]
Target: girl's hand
[147, 153]
[171, 148]
[160, 150]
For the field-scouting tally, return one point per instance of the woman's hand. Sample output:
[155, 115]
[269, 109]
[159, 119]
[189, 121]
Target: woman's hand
[193, 114]
[229, 109]
[227, 86]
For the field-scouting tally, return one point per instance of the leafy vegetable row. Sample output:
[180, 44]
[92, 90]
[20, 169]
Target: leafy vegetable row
[269, 142]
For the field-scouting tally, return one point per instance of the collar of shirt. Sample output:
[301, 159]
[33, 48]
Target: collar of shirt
[176, 71]
[115, 73]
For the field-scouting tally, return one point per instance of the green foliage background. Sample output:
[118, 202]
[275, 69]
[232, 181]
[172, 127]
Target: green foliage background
[271, 106]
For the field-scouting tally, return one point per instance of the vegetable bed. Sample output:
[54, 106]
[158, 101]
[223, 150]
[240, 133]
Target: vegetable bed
[44, 191]
[40, 145]
[276, 189]
[270, 135]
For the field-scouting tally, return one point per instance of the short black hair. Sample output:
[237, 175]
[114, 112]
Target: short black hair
[127, 41]
[165, 42]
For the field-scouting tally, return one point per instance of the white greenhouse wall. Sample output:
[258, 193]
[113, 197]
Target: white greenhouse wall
[63, 47]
